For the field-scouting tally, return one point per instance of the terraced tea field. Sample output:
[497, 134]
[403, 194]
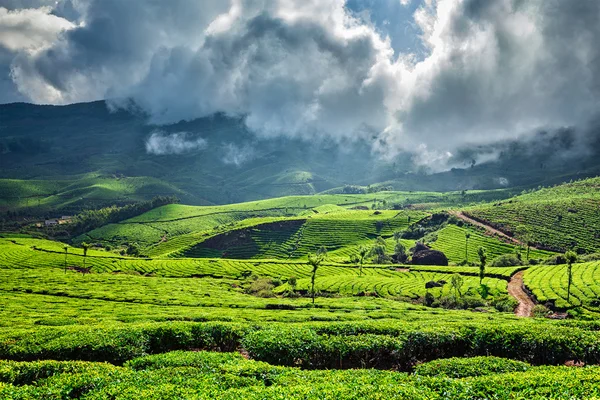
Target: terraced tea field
[452, 241]
[560, 218]
[549, 283]
[221, 305]
[295, 238]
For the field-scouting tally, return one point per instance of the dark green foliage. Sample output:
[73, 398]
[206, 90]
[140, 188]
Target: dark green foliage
[506, 260]
[482, 254]
[425, 226]
[180, 375]
[505, 303]
[92, 219]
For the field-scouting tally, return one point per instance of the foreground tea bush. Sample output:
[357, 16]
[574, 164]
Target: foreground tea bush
[377, 344]
[202, 375]
[465, 367]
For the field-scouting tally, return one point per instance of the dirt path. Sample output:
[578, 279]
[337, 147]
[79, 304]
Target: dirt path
[515, 289]
[489, 230]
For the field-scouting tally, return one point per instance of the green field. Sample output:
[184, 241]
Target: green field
[71, 194]
[219, 304]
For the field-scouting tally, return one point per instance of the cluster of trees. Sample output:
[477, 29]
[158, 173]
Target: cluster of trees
[92, 219]
[378, 253]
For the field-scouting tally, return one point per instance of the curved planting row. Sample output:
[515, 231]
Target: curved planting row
[452, 241]
[549, 283]
[406, 284]
[558, 223]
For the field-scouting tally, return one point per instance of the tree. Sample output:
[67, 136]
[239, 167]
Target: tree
[481, 252]
[363, 251]
[397, 236]
[456, 280]
[85, 248]
[292, 281]
[315, 261]
[378, 251]
[66, 252]
[467, 237]
[571, 257]
[400, 252]
[524, 235]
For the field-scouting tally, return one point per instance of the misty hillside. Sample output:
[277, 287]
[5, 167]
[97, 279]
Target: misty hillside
[64, 156]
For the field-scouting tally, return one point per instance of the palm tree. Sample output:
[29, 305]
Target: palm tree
[467, 237]
[571, 257]
[85, 248]
[481, 252]
[397, 236]
[315, 261]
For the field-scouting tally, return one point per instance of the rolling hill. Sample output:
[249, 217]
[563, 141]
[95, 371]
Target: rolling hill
[61, 159]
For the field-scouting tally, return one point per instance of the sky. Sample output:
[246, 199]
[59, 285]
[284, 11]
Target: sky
[429, 77]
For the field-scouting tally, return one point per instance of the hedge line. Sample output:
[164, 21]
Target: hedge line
[202, 375]
[311, 346]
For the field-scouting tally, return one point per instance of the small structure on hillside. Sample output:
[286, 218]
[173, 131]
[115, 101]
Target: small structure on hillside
[50, 222]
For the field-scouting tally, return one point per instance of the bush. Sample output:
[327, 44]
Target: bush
[505, 303]
[468, 367]
[202, 360]
[506, 260]
[589, 257]
[540, 311]
[555, 260]
[261, 287]
[469, 302]
[304, 347]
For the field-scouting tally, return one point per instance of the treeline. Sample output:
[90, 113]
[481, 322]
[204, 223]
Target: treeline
[92, 219]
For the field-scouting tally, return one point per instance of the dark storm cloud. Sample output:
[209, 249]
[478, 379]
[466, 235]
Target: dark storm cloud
[486, 71]
[503, 69]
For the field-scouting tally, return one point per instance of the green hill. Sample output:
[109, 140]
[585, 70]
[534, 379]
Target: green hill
[558, 218]
[83, 155]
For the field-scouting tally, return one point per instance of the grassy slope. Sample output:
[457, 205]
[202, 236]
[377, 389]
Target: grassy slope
[70, 195]
[184, 226]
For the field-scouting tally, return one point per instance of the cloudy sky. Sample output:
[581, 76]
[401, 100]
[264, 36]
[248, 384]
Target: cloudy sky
[427, 76]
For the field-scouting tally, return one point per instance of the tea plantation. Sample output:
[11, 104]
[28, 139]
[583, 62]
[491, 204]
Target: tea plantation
[310, 297]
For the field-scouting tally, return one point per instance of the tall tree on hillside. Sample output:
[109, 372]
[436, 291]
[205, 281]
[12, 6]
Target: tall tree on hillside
[397, 236]
[467, 237]
[66, 252]
[315, 261]
[524, 235]
[571, 257]
[85, 248]
[482, 253]
[363, 252]
[456, 280]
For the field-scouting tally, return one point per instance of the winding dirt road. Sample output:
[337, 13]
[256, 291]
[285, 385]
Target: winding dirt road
[489, 230]
[515, 289]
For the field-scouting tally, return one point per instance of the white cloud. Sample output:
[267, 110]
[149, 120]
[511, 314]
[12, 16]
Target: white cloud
[238, 155]
[30, 29]
[493, 70]
[161, 143]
